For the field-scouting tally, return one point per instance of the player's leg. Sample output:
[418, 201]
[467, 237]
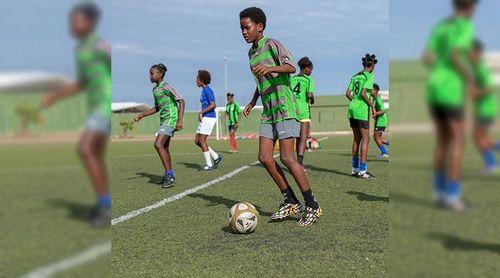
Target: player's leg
[454, 171]
[365, 141]
[302, 141]
[91, 150]
[356, 141]
[161, 145]
[201, 141]
[440, 154]
[377, 136]
[232, 139]
[484, 145]
[291, 204]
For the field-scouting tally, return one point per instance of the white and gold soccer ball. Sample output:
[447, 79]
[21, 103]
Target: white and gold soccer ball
[243, 218]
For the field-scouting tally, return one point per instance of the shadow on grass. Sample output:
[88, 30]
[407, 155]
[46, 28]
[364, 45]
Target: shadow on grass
[367, 197]
[191, 165]
[369, 158]
[78, 211]
[452, 242]
[407, 199]
[319, 169]
[218, 200]
[153, 179]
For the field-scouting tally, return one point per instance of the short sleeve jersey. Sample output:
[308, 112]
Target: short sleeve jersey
[445, 85]
[207, 97]
[381, 120]
[166, 98]
[93, 59]
[233, 110]
[358, 109]
[277, 99]
[486, 106]
[302, 86]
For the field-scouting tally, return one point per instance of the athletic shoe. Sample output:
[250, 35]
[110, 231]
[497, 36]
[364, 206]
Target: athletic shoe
[355, 172]
[457, 205]
[207, 168]
[383, 156]
[100, 217]
[217, 161]
[233, 151]
[492, 170]
[309, 216]
[366, 175]
[285, 210]
[168, 181]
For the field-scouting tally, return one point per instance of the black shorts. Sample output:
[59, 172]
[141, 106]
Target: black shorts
[359, 123]
[380, 128]
[446, 113]
[486, 122]
[232, 128]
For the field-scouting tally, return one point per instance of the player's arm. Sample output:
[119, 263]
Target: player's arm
[348, 94]
[428, 58]
[62, 93]
[285, 59]
[180, 116]
[367, 100]
[311, 98]
[465, 72]
[263, 70]
[146, 113]
[249, 106]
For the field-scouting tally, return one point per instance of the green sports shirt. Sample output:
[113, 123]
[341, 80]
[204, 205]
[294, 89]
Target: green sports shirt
[233, 111]
[93, 59]
[358, 108]
[445, 86]
[486, 106]
[277, 99]
[302, 86]
[166, 98]
[381, 120]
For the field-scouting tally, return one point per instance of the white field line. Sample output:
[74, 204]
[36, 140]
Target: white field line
[72, 261]
[183, 194]
[105, 248]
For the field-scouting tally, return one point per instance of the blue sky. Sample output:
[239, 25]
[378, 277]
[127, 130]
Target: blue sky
[412, 20]
[196, 34]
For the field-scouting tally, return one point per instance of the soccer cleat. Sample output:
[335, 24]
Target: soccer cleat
[355, 172]
[168, 181]
[457, 205]
[492, 170]
[365, 175]
[207, 168]
[100, 217]
[383, 156]
[217, 161]
[285, 210]
[309, 216]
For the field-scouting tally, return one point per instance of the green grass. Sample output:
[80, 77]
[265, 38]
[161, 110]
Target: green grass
[45, 196]
[189, 237]
[428, 241]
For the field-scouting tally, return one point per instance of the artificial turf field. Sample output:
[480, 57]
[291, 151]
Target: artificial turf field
[45, 198]
[189, 237]
[427, 241]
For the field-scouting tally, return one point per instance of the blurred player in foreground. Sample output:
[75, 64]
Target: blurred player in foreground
[233, 112]
[485, 109]
[93, 57]
[450, 78]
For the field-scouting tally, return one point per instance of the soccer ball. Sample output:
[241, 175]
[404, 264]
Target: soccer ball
[243, 218]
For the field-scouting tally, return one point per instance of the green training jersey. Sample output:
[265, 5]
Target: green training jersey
[302, 86]
[445, 86]
[277, 99]
[381, 120]
[486, 106]
[166, 98]
[233, 111]
[93, 59]
[358, 108]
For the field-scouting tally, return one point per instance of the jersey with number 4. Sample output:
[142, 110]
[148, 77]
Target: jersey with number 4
[358, 109]
[302, 86]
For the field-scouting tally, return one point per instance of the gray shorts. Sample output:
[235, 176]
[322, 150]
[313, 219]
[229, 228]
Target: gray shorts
[282, 130]
[98, 123]
[166, 130]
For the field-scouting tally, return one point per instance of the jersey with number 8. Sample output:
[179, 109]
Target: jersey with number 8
[358, 109]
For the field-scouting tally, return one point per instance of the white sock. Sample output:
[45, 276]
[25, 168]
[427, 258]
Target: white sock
[208, 160]
[213, 153]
